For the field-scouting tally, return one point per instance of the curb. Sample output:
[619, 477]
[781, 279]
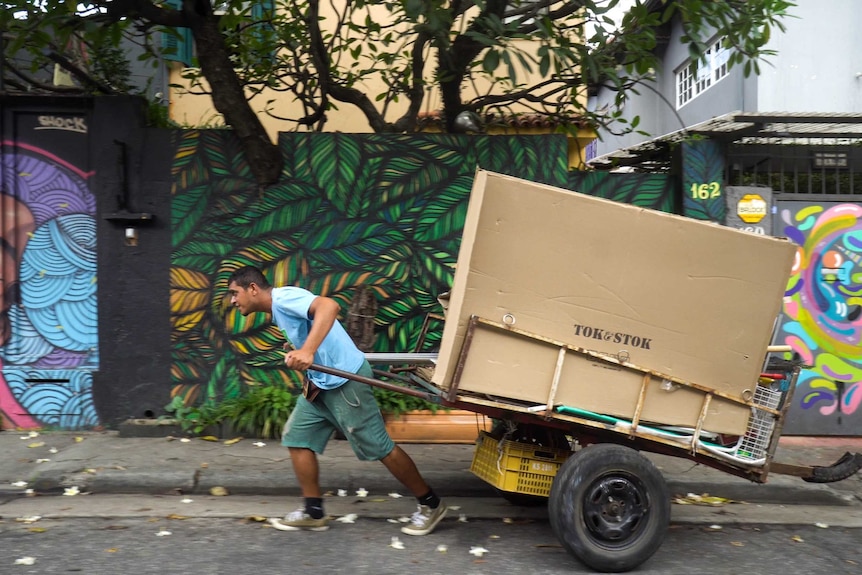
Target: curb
[274, 483]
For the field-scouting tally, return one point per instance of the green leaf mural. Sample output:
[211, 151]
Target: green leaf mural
[703, 180]
[332, 164]
[653, 191]
[385, 211]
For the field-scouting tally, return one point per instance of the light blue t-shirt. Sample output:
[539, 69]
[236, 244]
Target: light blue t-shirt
[290, 313]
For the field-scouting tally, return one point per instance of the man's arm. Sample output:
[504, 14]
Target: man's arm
[323, 312]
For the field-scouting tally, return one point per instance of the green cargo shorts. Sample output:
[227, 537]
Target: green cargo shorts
[350, 409]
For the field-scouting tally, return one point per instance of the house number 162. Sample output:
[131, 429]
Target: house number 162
[706, 191]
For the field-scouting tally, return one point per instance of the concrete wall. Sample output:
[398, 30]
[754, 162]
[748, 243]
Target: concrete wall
[817, 68]
[814, 70]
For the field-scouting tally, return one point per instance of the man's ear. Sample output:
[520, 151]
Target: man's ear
[253, 289]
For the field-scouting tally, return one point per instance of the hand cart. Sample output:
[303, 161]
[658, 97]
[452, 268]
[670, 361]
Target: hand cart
[608, 504]
[676, 313]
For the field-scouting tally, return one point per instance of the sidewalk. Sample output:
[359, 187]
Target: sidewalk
[104, 463]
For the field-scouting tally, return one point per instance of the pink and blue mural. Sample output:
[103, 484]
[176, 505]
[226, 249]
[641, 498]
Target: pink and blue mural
[823, 314]
[48, 311]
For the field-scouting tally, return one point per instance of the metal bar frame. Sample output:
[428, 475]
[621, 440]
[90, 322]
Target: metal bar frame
[476, 322]
[582, 427]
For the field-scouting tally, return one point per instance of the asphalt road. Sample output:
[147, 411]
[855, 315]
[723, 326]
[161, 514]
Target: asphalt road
[132, 545]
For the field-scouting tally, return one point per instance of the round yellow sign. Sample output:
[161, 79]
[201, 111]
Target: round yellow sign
[751, 208]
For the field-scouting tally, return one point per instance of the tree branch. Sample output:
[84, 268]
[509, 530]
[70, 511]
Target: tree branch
[81, 75]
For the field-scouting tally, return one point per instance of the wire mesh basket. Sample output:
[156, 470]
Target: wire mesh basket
[755, 442]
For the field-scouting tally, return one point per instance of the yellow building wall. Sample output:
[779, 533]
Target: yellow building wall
[196, 110]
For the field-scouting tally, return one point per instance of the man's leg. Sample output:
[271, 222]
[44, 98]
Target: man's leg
[404, 469]
[307, 471]
[358, 416]
[305, 433]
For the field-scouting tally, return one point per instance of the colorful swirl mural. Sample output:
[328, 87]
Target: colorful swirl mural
[823, 306]
[48, 313]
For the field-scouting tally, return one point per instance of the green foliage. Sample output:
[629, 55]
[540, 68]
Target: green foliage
[158, 116]
[396, 403]
[543, 52]
[258, 412]
[193, 418]
[110, 65]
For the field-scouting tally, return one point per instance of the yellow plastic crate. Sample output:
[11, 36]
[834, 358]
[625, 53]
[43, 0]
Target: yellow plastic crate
[517, 467]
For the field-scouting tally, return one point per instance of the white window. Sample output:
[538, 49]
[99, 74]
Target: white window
[696, 77]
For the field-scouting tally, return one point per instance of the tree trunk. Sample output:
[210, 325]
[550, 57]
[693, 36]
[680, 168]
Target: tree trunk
[263, 156]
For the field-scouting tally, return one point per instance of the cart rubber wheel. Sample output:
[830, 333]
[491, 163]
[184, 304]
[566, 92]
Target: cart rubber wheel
[609, 507]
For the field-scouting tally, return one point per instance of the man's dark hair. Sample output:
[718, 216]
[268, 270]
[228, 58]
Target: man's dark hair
[247, 275]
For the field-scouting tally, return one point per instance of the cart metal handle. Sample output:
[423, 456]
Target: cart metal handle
[376, 382]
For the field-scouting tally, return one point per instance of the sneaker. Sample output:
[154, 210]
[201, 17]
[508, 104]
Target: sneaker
[299, 520]
[425, 520]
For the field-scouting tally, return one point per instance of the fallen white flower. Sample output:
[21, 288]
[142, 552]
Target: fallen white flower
[25, 561]
[19, 484]
[462, 518]
[186, 500]
[395, 495]
[454, 507]
[33, 434]
[53, 450]
[390, 520]
[259, 444]
[185, 440]
[822, 525]
[361, 492]
[442, 549]
[70, 491]
[342, 493]
[715, 527]
[163, 533]
[396, 543]
[349, 518]
[29, 519]
[43, 460]
[478, 551]
[29, 492]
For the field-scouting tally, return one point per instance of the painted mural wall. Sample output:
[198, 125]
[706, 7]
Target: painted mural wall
[48, 301]
[370, 210]
[351, 210]
[822, 319]
[653, 191]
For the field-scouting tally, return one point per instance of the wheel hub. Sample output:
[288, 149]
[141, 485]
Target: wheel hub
[614, 507]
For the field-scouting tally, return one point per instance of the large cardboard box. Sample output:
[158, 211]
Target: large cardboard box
[693, 300]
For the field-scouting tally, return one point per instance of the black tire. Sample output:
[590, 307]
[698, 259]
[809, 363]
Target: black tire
[609, 507]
